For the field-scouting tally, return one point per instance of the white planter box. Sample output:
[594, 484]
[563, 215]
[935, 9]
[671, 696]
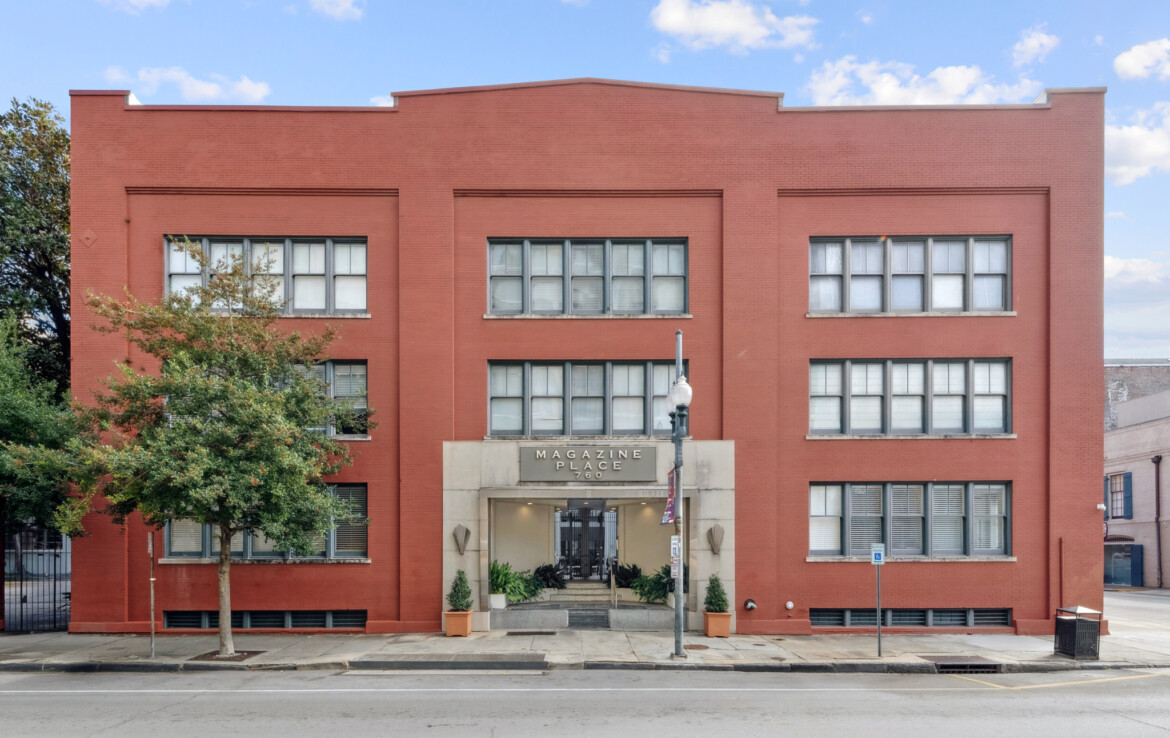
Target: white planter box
[498, 601]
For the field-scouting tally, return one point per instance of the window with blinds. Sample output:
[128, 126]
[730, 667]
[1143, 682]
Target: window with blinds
[347, 382]
[913, 519]
[323, 275]
[579, 398]
[890, 397]
[587, 276]
[897, 274]
[348, 539]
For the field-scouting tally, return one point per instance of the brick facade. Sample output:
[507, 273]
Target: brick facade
[747, 183]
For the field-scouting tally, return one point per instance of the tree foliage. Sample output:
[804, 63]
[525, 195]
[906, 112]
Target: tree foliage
[30, 414]
[34, 234]
[219, 428]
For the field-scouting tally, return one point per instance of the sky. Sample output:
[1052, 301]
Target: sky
[817, 52]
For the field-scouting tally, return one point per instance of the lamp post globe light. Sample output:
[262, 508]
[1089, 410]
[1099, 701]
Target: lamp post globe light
[679, 397]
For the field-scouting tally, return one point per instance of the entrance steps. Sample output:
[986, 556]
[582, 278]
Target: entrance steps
[582, 593]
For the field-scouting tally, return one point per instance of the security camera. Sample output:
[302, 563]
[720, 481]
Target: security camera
[1101, 506]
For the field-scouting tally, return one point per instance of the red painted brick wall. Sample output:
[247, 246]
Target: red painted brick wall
[427, 183]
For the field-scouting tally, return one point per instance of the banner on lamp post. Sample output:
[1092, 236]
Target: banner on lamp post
[668, 514]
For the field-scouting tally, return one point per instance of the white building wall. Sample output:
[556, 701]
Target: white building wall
[1130, 449]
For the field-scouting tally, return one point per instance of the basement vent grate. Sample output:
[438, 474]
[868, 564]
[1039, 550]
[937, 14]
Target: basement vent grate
[271, 619]
[866, 617]
[970, 668]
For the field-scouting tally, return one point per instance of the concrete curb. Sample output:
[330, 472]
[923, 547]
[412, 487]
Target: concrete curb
[529, 664]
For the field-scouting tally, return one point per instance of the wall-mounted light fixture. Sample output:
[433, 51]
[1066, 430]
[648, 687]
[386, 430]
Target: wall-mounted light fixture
[749, 604]
[462, 534]
[715, 537]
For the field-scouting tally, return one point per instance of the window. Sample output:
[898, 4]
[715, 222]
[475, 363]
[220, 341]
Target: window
[966, 396]
[913, 519]
[187, 538]
[346, 382]
[1119, 496]
[586, 276]
[306, 275]
[909, 274]
[579, 398]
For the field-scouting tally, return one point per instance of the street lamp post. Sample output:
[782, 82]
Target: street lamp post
[679, 398]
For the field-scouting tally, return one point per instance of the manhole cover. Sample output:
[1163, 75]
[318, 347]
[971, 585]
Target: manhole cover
[695, 647]
[777, 658]
[759, 644]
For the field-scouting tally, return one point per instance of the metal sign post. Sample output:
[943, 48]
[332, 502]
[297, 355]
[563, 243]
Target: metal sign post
[877, 557]
[150, 553]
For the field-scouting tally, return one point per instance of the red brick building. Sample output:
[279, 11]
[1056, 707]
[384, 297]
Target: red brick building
[892, 322]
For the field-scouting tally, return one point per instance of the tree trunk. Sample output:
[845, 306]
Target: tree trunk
[226, 646]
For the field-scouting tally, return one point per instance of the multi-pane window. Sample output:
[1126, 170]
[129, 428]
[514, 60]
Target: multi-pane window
[587, 276]
[965, 396]
[304, 275]
[347, 382]
[1119, 495]
[579, 398]
[187, 538]
[913, 519]
[910, 274]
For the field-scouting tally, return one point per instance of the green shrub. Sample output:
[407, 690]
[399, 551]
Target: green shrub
[549, 577]
[654, 587]
[625, 574]
[498, 577]
[517, 586]
[716, 596]
[459, 599]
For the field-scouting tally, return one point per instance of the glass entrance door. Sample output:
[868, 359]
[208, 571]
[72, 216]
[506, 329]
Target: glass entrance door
[587, 538]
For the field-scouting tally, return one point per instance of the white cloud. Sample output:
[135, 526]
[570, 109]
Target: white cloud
[1136, 150]
[339, 9]
[116, 75]
[865, 16]
[383, 101]
[1099, 40]
[218, 87]
[1137, 301]
[849, 82]
[737, 24]
[1033, 46]
[1143, 60]
[662, 53]
[1119, 214]
[135, 6]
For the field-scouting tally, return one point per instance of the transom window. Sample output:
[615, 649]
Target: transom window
[587, 276]
[188, 538]
[891, 274]
[322, 275]
[913, 519]
[579, 398]
[896, 397]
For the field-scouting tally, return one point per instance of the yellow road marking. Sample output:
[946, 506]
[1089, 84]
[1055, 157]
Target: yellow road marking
[1060, 684]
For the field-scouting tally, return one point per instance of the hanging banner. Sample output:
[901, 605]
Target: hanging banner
[668, 514]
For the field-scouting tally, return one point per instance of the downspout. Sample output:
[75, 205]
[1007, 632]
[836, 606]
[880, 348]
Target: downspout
[1158, 513]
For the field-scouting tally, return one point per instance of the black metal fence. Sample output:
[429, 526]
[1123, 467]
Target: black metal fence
[37, 583]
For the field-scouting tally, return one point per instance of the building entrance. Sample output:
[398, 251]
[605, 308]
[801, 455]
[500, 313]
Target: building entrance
[586, 539]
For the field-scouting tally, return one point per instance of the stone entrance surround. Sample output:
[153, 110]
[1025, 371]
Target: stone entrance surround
[475, 472]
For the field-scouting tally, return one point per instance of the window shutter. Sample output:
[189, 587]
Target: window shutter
[1128, 492]
[1106, 496]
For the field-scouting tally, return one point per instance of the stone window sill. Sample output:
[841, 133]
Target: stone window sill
[934, 314]
[328, 316]
[570, 316]
[911, 559]
[215, 560]
[914, 437]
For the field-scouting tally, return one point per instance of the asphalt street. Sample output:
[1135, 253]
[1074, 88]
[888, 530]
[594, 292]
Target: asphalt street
[561, 703]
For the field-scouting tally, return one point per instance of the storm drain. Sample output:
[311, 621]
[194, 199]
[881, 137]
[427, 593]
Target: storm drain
[957, 664]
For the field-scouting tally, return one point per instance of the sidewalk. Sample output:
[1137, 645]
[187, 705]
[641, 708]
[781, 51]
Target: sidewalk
[575, 649]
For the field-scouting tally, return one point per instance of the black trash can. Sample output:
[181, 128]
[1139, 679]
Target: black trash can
[1078, 633]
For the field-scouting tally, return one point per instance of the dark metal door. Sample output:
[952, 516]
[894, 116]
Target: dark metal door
[37, 587]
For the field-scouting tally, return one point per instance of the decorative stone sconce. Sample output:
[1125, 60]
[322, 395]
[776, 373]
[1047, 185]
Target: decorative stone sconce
[461, 534]
[715, 537]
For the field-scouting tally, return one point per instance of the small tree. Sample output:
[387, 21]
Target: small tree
[716, 600]
[220, 431]
[459, 598]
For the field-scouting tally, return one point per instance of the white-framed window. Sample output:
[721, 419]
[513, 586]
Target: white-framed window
[889, 397]
[898, 274]
[188, 538]
[348, 383]
[587, 276]
[578, 398]
[305, 275]
[912, 518]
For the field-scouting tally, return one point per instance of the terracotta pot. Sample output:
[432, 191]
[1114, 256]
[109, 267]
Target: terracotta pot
[717, 624]
[458, 623]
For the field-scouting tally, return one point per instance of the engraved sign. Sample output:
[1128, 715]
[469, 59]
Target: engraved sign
[587, 464]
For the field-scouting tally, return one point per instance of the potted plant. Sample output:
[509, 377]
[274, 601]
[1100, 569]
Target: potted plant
[716, 618]
[459, 606]
[498, 577]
